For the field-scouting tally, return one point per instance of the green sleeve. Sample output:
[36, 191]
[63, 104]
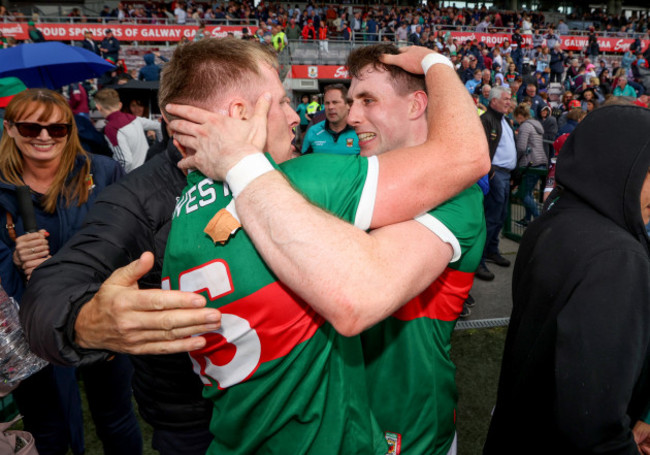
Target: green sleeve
[344, 185]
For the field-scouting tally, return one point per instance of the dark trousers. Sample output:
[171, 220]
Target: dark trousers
[528, 182]
[51, 405]
[495, 204]
[186, 442]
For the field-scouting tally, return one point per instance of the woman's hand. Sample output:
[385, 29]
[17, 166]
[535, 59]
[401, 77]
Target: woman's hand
[31, 250]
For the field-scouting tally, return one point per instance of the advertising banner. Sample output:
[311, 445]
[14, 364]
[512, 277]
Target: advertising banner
[123, 32]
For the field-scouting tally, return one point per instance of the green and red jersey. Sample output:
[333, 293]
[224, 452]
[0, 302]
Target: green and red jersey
[282, 380]
[410, 374]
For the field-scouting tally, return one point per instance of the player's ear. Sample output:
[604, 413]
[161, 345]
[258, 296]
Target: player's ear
[418, 104]
[180, 147]
[238, 109]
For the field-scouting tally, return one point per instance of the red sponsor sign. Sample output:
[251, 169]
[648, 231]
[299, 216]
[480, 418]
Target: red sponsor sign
[151, 32]
[569, 42]
[123, 32]
[319, 72]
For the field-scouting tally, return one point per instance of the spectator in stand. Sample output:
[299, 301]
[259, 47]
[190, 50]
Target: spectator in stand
[543, 60]
[565, 105]
[512, 73]
[587, 95]
[78, 100]
[484, 97]
[486, 79]
[503, 154]
[121, 13]
[279, 38]
[573, 68]
[530, 147]
[538, 39]
[624, 89]
[549, 123]
[556, 63]
[487, 60]
[333, 135]
[482, 27]
[293, 31]
[604, 82]
[542, 79]
[110, 46]
[89, 43]
[308, 31]
[106, 12]
[415, 36]
[626, 62]
[552, 38]
[497, 75]
[573, 117]
[497, 59]
[581, 81]
[526, 25]
[562, 28]
[151, 71]
[473, 83]
[180, 13]
[124, 132]
[593, 49]
[402, 32]
[35, 35]
[465, 72]
[371, 28]
[517, 89]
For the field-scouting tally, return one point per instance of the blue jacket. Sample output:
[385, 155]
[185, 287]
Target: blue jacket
[61, 225]
[151, 71]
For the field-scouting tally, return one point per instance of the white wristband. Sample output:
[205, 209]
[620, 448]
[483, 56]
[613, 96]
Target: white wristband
[434, 58]
[246, 170]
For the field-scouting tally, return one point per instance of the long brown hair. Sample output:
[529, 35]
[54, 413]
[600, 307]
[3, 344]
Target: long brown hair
[11, 158]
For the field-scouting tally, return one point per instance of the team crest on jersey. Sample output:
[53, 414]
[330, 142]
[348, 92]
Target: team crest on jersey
[350, 142]
[394, 441]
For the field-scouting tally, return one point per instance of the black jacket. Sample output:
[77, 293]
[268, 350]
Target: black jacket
[128, 218]
[491, 121]
[90, 45]
[574, 378]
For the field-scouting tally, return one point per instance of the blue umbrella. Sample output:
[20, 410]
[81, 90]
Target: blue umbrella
[51, 64]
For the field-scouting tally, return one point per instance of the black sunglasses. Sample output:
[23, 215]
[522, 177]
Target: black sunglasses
[55, 130]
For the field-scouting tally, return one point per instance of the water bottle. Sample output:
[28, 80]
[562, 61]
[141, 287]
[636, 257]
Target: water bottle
[17, 361]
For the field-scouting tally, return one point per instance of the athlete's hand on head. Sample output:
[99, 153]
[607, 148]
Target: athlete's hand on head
[409, 58]
[123, 318]
[216, 142]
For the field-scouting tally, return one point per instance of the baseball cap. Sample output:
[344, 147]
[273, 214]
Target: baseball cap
[107, 31]
[10, 87]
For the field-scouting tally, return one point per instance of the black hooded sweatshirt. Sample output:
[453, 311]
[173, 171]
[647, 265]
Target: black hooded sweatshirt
[574, 377]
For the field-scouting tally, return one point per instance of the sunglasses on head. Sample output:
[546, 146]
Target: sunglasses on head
[55, 130]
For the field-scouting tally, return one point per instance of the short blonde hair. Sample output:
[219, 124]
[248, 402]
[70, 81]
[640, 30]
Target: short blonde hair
[108, 98]
[203, 72]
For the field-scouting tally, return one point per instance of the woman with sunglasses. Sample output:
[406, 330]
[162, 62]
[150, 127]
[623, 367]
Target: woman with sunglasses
[40, 149]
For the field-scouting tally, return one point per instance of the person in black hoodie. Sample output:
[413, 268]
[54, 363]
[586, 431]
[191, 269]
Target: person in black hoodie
[576, 360]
